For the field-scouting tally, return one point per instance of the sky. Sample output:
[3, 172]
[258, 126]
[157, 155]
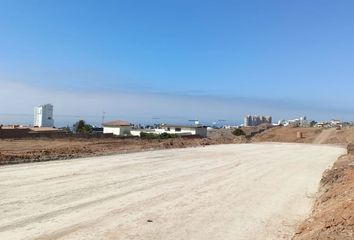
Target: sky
[176, 60]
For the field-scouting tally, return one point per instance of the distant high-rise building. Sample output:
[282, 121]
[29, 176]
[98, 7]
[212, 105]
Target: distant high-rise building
[43, 116]
[250, 121]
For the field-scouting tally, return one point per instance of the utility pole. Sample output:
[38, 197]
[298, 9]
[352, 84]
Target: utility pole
[103, 115]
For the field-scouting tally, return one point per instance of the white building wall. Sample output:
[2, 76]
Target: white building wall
[43, 116]
[184, 131]
[114, 130]
[37, 117]
[118, 131]
[135, 132]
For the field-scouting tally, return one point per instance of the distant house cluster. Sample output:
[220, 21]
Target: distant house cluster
[123, 128]
[44, 123]
[251, 121]
[298, 122]
[334, 123]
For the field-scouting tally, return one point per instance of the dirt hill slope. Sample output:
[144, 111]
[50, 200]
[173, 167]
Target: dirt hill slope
[288, 134]
[333, 213]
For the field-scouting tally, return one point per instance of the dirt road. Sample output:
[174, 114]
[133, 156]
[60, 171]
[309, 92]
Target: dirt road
[324, 136]
[252, 191]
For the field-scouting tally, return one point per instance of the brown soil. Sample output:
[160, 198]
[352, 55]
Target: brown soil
[14, 151]
[333, 213]
[344, 136]
[204, 193]
[287, 134]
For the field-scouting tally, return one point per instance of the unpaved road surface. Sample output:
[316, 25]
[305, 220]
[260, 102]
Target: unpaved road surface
[252, 191]
[324, 136]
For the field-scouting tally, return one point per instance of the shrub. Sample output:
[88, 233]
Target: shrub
[148, 135]
[167, 135]
[82, 127]
[145, 135]
[238, 132]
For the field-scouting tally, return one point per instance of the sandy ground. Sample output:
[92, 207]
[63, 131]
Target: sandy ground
[324, 136]
[13, 151]
[289, 134]
[246, 191]
[333, 213]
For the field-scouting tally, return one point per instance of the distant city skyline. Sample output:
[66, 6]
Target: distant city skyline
[176, 60]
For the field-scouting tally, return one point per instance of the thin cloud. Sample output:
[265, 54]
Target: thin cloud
[139, 107]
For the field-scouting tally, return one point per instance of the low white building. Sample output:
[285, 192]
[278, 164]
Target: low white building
[43, 116]
[117, 127]
[185, 130]
[180, 130]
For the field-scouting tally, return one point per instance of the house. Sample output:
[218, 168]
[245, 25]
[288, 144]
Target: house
[117, 127]
[199, 130]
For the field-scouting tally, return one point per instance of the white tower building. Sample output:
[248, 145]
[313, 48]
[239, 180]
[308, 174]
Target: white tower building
[43, 116]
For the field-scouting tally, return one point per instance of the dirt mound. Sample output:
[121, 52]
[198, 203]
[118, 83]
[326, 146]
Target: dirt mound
[324, 136]
[333, 214]
[288, 134]
[221, 136]
[343, 136]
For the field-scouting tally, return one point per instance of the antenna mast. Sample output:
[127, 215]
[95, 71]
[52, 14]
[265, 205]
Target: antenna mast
[103, 115]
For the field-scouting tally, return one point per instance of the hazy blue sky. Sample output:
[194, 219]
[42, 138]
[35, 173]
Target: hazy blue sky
[176, 59]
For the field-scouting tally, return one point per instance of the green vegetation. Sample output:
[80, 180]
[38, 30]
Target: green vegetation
[167, 135]
[313, 123]
[66, 129]
[82, 127]
[145, 135]
[238, 132]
